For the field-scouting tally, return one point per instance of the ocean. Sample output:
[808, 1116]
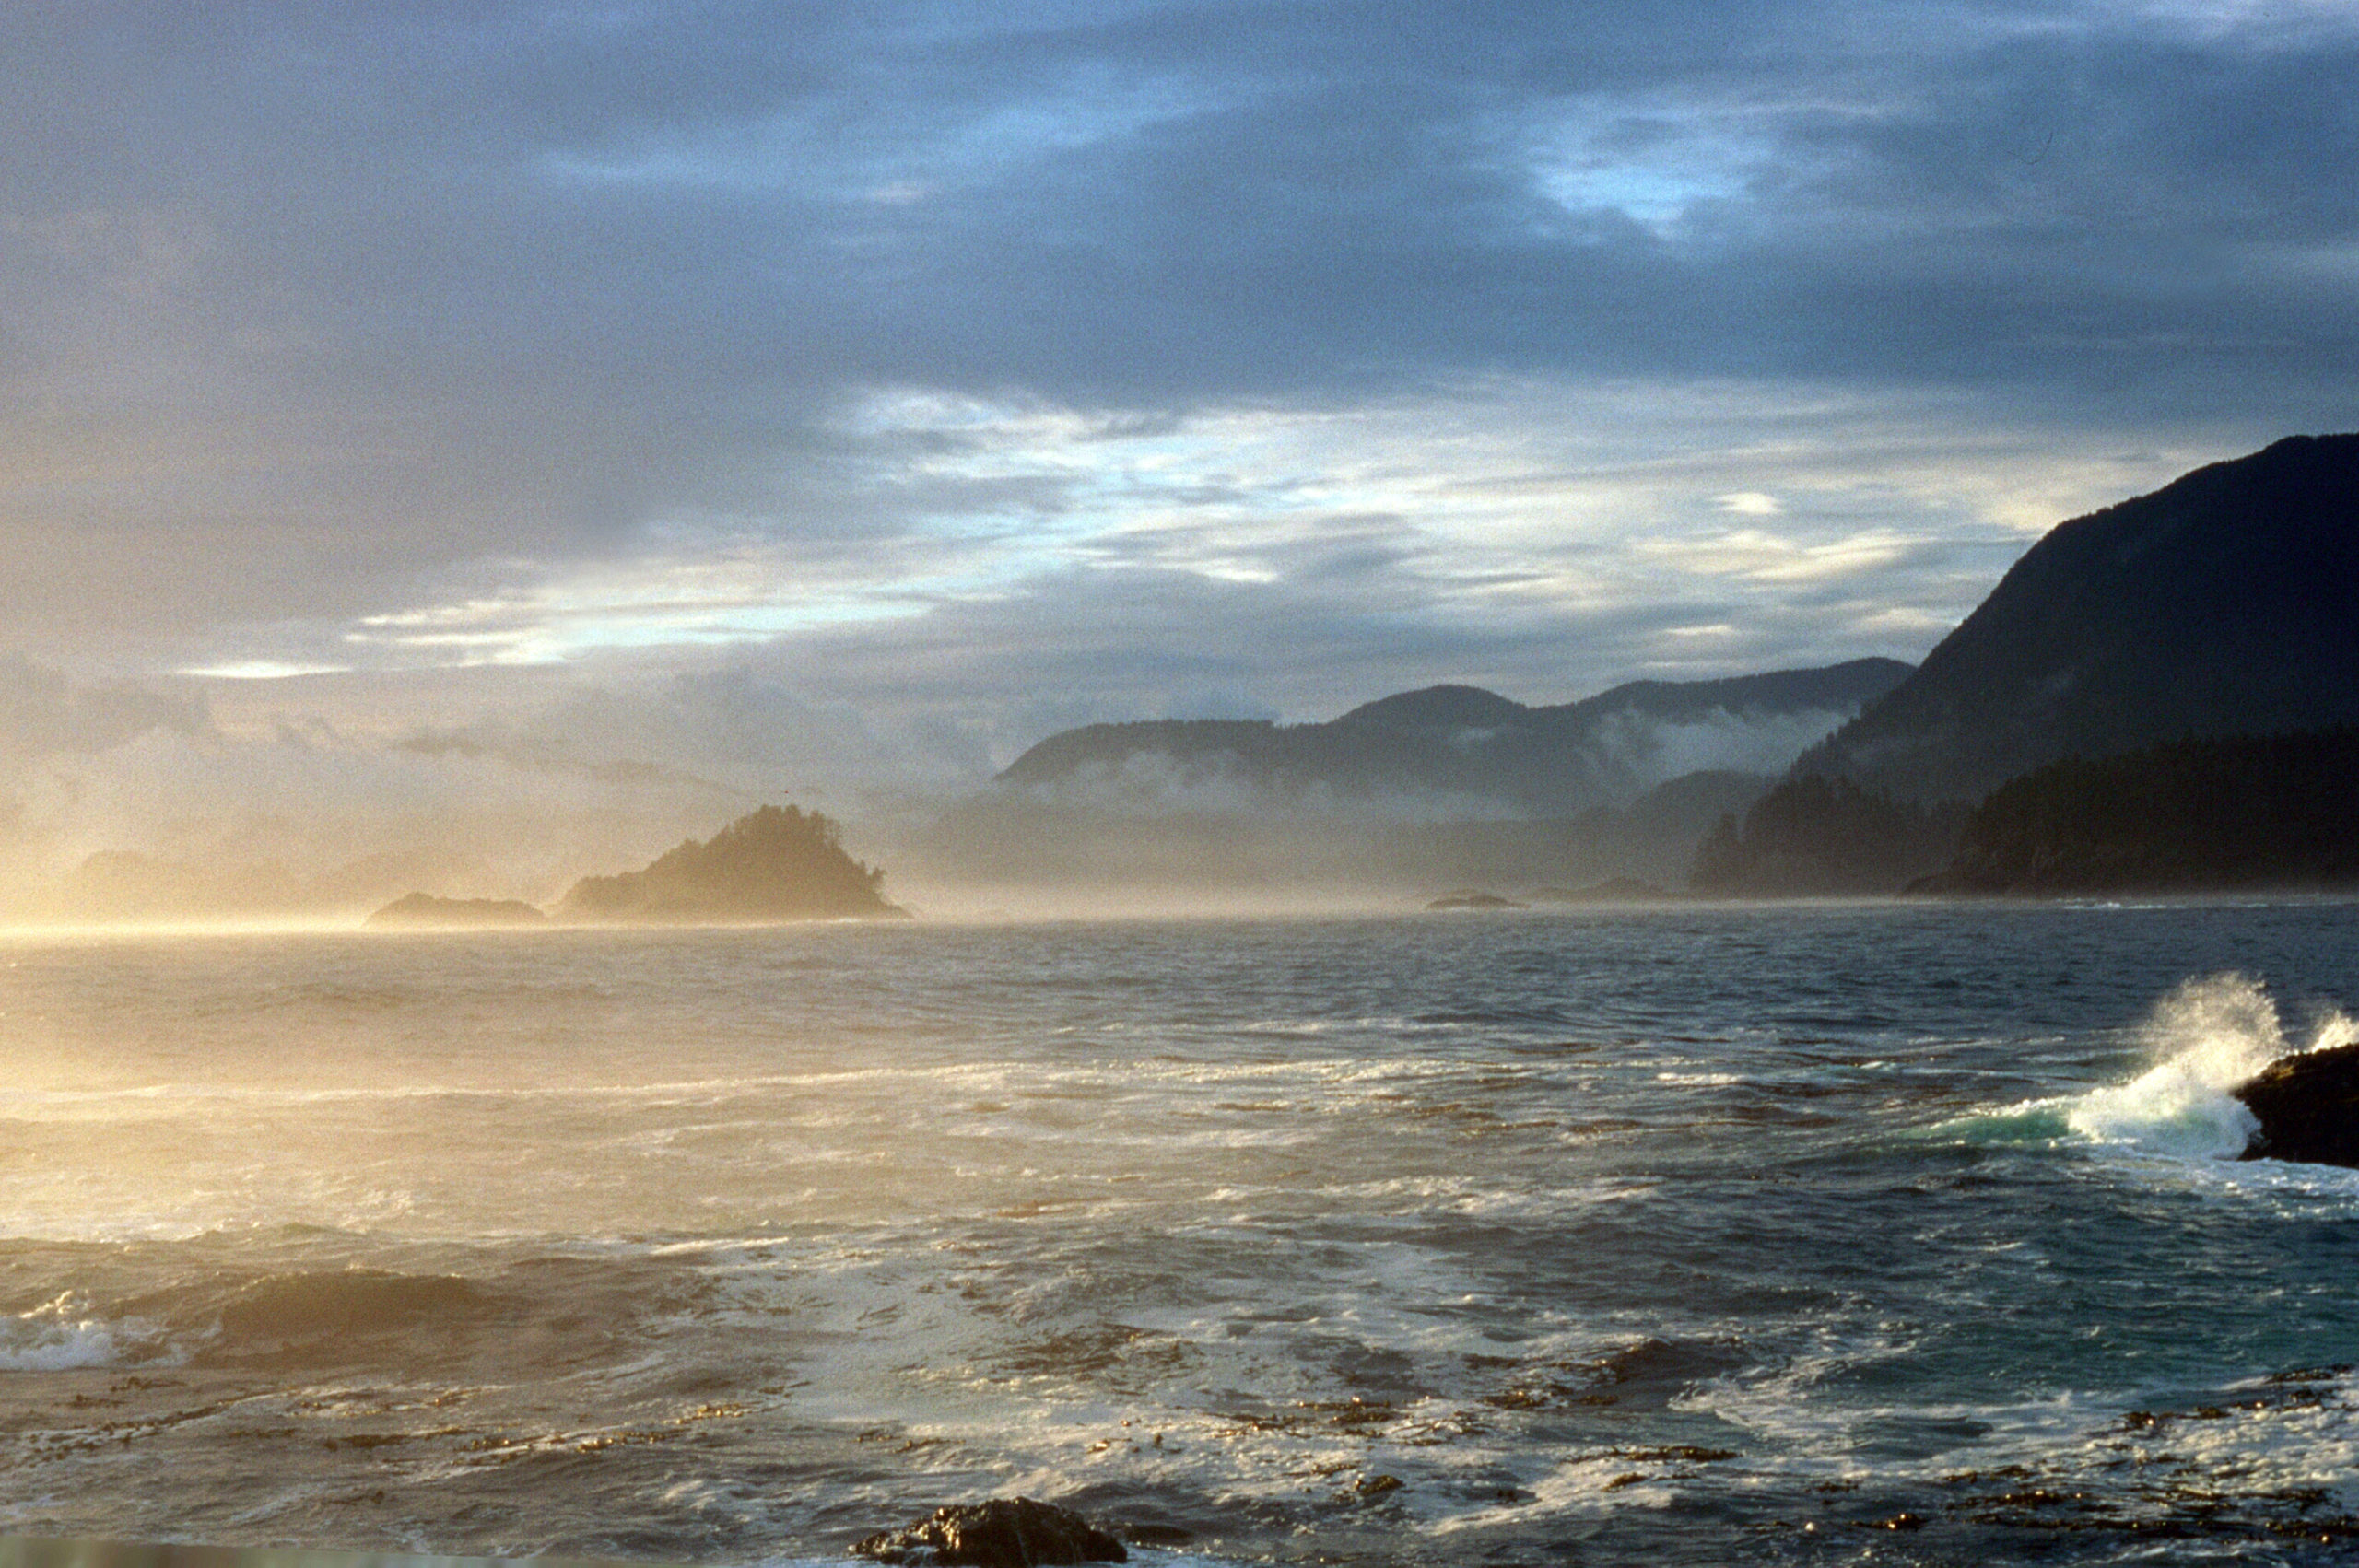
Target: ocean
[1884, 1232]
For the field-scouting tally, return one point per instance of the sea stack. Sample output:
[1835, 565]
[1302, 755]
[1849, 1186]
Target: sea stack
[776, 864]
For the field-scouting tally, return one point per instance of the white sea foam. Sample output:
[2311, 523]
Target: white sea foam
[2205, 1039]
[2269, 1444]
[1003, 1250]
[60, 1336]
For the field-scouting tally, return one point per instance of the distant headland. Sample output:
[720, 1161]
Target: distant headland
[775, 864]
[2160, 696]
[426, 909]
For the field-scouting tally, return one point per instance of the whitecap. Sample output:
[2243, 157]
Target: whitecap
[2205, 1040]
[60, 1336]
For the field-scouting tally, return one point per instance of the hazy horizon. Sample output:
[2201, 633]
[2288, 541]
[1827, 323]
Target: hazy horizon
[549, 429]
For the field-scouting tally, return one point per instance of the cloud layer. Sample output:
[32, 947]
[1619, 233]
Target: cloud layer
[985, 368]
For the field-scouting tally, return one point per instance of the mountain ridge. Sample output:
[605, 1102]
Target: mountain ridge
[2219, 604]
[1465, 742]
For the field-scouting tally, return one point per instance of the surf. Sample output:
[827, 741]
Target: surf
[2202, 1042]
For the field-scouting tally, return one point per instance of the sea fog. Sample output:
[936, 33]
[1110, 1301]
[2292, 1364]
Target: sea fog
[172, 805]
[1679, 1235]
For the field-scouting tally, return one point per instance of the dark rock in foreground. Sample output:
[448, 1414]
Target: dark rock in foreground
[425, 910]
[1002, 1533]
[1469, 898]
[2308, 1106]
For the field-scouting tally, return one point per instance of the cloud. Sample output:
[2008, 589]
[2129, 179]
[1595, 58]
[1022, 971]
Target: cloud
[293, 783]
[43, 713]
[1164, 347]
[1759, 555]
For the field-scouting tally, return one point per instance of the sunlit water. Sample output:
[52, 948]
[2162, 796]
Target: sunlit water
[1675, 1236]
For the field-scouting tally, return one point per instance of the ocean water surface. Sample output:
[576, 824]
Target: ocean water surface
[1896, 1233]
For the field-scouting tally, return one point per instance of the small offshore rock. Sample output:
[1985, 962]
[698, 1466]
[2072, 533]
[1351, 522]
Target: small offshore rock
[425, 910]
[2307, 1106]
[1613, 890]
[1006, 1532]
[1472, 898]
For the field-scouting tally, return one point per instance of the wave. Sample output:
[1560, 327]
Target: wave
[290, 1310]
[2206, 1039]
[59, 1335]
[277, 1315]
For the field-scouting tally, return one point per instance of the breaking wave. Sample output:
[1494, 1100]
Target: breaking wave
[59, 1335]
[2206, 1039]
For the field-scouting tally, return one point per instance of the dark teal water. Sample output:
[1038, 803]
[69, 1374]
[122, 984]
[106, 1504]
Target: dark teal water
[1788, 1236]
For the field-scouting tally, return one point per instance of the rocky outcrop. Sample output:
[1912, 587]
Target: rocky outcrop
[425, 910]
[1006, 1532]
[777, 864]
[1472, 898]
[2307, 1106]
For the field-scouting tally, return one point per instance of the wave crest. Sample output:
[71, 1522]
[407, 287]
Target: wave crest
[2205, 1040]
[287, 1309]
[2210, 1036]
[59, 1335]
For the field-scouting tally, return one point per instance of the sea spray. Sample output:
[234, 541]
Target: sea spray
[2210, 1036]
[2205, 1039]
[61, 1335]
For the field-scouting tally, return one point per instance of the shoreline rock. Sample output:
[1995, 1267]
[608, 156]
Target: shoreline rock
[1005, 1532]
[2309, 1107]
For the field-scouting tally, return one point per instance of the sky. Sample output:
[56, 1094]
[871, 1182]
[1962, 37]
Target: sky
[872, 389]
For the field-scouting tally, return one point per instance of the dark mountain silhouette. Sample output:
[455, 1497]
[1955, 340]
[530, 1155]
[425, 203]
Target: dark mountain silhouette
[2277, 811]
[777, 864]
[2224, 604]
[1015, 838]
[1816, 835]
[1439, 707]
[1687, 806]
[1449, 785]
[1464, 745]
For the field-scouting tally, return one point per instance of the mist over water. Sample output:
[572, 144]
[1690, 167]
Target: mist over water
[1671, 1236]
